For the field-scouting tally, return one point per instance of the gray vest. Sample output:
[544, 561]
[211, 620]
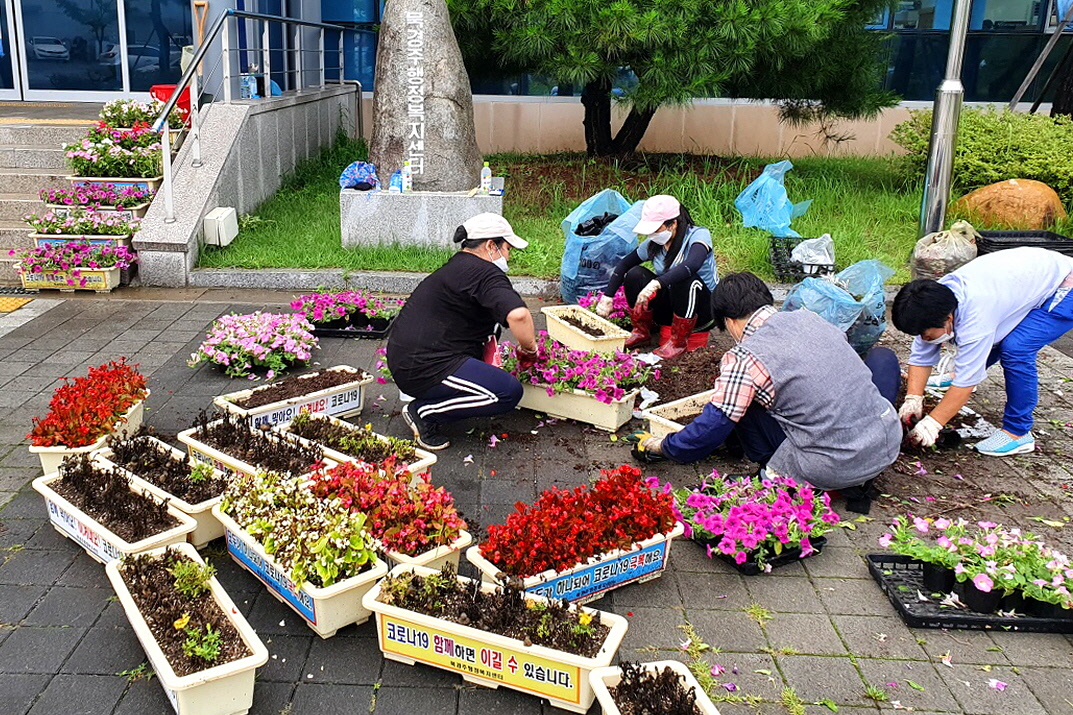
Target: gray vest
[840, 431]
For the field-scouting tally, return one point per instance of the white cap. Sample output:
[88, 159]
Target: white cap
[490, 225]
[655, 212]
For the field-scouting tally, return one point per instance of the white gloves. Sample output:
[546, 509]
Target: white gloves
[603, 308]
[647, 292]
[652, 444]
[912, 408]
[926, 432]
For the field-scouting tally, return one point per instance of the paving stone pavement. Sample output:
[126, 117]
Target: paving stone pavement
[66, 646]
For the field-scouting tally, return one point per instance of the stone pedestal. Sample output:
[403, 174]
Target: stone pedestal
[420, 218]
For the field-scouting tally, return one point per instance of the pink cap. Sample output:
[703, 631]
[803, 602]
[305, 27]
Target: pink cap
[655, 212]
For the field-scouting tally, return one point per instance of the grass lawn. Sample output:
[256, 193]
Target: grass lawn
[861, 202]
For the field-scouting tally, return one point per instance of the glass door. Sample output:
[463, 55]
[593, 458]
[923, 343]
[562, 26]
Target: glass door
[9, 89]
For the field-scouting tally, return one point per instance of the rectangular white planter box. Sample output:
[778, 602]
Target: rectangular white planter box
[224, 462]
[598, 576]
[208, 528]
[48, 239]
[435, 558]
[51, 457]
[99, 541]
[580, 406]
[341, 400]
[225, 689]
[490, 659]
[662, 419]
[423, 462]
[99, 280]
[137, 211]
[325, 610]
[614, 338]
[151, 183]
[603, 679]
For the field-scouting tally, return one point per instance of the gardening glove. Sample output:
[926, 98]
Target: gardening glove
[527, 358]
[603, 308]
[926, 432]
[652, 445]
[647, 292]
[648, 448]
[912, 408]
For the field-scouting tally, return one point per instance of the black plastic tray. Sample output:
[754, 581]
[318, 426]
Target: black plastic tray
[786, 269]
[750, 567]
[991, 241]
[337, 329]
[893, 570]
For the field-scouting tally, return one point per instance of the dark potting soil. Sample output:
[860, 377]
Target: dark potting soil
[237, 437]
[644, 692]
[591, 330]
[298, 385]
[154, 463]
[105, 495]
[153, 589]
[504, 611]
[353, 441]
[687, 374]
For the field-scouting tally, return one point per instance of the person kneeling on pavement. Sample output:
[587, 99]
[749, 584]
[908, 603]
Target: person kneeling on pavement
[798, 397]
[441, 347]
[1001, 307]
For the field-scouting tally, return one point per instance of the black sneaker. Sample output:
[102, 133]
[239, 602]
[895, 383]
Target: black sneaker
[426, 433]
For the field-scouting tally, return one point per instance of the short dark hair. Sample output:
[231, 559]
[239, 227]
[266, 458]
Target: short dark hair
[921, 305]
[738, 296]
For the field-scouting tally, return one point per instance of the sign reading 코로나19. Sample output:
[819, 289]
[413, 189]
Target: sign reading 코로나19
[272, 577]
[590, 582]
[415, 90]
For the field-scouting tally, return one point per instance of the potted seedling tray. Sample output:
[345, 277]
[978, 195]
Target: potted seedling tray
[991, 241]
[365, 329]
[664, 419]
[128, 424]
[490, 659]
[100, 542]
[325, 610]
[579, 405]
[902, 578]
[751, 568]
[786, 269]
[595, 578]
[604, 679]
[580, 329]
[341, 400]
[225, 689]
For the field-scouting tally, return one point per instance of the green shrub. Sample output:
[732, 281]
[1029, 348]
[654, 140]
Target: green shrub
[994, 146]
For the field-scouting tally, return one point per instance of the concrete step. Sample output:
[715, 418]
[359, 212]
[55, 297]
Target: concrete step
[51, 135]
[32, 156]
[14, 206]
[8, 276]
[14, 234]
[30, 181]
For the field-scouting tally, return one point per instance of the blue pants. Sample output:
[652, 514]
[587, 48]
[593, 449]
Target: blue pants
[761, 434]
[475, 389]
[1017, 352]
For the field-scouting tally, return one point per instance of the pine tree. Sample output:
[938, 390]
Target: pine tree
[814, 55]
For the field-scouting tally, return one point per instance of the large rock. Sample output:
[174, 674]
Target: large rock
[422, 105]
[1017, 204]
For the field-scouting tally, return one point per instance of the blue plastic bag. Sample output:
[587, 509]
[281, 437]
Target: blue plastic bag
[765, 204]
[359, 175]
[589, 260]
[852, 301]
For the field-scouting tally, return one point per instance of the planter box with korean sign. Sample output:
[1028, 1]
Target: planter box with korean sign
[222, 461]
[325, 610]
[603, 679]
[340, 401]
[592, 580]
[490, 659]
[128, 424]
[579, 405]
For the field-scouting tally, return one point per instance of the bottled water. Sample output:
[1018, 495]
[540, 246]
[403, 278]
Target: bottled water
[486, 179]
[407, 178]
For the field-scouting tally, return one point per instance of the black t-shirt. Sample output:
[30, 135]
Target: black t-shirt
[448, 319]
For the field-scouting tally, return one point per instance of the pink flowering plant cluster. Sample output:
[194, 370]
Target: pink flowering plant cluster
[269, 341]
[124, 153]
[620, 307]
[347, 304]
[96, 196]
[128, 112]
[560, 369]
[754, 518]
[73, 257]
[990, 556]
[82, 222]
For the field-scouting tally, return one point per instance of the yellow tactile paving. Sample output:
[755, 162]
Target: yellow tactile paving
[8, 305]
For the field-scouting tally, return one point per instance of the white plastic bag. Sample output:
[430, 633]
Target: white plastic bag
[941, 252]
[815, 254]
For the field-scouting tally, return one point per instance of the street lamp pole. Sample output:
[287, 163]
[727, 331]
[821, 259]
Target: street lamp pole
[944, 126]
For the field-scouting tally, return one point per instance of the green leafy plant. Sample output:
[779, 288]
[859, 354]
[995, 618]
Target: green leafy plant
[191, 578]
[203, 643]
[876, 693]
[200, 472]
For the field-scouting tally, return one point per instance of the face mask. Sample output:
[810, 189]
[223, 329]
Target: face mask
[501, 262]
[661, 238]
[940, 340]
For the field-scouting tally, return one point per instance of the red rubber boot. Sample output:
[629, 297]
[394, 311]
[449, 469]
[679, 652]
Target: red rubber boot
[681, 329]
[642, 327]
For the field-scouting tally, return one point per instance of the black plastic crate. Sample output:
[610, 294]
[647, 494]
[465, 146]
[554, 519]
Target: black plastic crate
[892, 571]
[991, 241]
[751, 568]
[786, 269]
[343, 328]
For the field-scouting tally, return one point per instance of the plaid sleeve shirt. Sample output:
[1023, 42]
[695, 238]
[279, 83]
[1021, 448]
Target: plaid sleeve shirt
[742, 377]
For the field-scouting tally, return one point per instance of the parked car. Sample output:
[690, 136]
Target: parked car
[49, 48]
[140, 58]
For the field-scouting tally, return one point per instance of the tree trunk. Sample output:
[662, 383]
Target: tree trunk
[596, 98]
[632, 131]
[1063, 90]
